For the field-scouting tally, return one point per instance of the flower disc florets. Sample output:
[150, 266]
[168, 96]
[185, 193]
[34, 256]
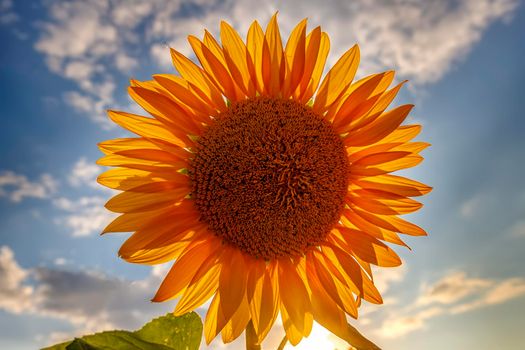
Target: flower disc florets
[270, 176]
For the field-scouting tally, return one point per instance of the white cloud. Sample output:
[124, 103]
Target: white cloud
[13, 295]
[89, 300]
[517, 229]
[453, 294]
[7, 15]
[85, 173]
[16, 187]
[413, 37]
[125, 63]
[502, 292]
[79, 102]
[452, 288]
[85, 216]
[401, 325]
[473, 206]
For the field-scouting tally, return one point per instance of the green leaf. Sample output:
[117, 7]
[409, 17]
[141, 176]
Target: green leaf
[163, 333]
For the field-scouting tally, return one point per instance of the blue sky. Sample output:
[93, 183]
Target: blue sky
[63, 63]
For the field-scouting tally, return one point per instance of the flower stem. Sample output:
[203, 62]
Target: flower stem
[252, 343]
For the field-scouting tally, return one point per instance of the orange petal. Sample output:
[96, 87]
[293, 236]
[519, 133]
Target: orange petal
[164, 109]
[337, 79]
[237, 59]
[264, 304]
[367, 248]
[359, 223]
[325, 310]
[335, 287]
[359, 102]
[214, 67]
[232, 281]
[150, 128]
[132, 202]
[392, 223]
[275, 50]
[378, 108]
[294, 296]
[196, 76]
[123, 144]
[395, 184]
[293, 334]
[184, 269]
[382, 163]
[316, 56]
[379, 128]
[295, 57]
[201, 289]
[255, 43]
[384, 203]
[181, 91]
[237, 323]
[360, 280]
[215, 321]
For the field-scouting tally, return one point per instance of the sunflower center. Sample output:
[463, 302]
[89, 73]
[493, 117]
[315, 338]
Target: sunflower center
[269, 176]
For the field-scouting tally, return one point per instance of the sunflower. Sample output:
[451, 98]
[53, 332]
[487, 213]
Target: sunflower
[269, 187]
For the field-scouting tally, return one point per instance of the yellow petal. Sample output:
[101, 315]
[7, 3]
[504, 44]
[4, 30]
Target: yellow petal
[275, 50]
[255, 43]
[294, 295]
[214, 67]
[325, 310]
[395, 184]
[335, 287]
[215, 321]
[164, 109]
[386, 162]
[357, 222]
[132, 202]
[152, 237]
[199, 291]
[295, 58]
[181, 91]
[237, 323]
[352, 269]
[237, 58]
[319, 54]
[184, 269]
[367, 248]
[381, 202]
[379, 128]
[337, 79]
[123, 144]
[195, 75]
[264, 304]
[232, 280]
[377, 109]
[150, 128]
[358, 103]
[293, 334]
[158, 255]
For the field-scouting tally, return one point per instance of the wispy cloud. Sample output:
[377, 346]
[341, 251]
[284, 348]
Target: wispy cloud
[7, 15]
[517, 229]
[455, 293]
[16, 187]
[85, 215]
[89, 300]
[84, 173]
[412, 37]
[452, 288]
